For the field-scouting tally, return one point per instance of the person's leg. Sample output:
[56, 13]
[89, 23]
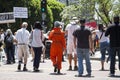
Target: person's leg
[112, 61]
[53, 57]
[103, 47]
[70, 56]
[87, 59]
[13, 53]
[25, 49]
[20, 54]
[75, 62]
[59, 61]
[80, 61]
[102, 58]
[8, 56]
[38, 52]
[70, 61]
[119, 58]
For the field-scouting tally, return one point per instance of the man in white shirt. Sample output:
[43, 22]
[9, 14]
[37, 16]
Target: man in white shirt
[22, 37]
[70, 28]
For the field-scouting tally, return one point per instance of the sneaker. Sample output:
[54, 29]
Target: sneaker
[25, 69]
[19, 67]
[70, 68]
[75, 68]
[111, 75]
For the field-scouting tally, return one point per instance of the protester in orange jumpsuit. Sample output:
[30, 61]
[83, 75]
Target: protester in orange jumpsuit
[57, 46]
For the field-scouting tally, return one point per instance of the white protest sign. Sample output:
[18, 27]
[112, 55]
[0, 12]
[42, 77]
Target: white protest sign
[20, 12]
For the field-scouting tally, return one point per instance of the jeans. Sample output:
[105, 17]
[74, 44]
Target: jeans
[81, 54]
[37, 56]
[104, 46]
[9, 54]
[113, 52]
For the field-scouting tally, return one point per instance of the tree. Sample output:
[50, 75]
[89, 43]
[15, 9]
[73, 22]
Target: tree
[107, 9]
[103, 11]
[56, 8]
[80, 9]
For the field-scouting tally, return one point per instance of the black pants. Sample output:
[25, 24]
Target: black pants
[37, 56]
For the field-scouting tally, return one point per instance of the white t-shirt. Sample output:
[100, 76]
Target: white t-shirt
[70, 28]
[103, 38]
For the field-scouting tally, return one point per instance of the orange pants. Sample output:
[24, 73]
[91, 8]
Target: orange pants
[56, 53]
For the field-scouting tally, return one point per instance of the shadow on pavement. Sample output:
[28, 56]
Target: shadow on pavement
[57, 74]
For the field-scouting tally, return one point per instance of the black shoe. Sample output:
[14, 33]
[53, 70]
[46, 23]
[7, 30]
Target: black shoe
[88, 75]
[80, 75]
[13, 61]
[75, 68]
[70, 68]
[25, 69]
[55, 69]
[8, 62]
[58, 71]
[112, 75]
[36, 70]
[19, 67]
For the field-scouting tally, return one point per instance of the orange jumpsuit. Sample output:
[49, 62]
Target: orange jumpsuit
[57, 46]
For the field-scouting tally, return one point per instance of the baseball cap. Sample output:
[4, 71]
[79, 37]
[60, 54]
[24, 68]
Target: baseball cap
[57, 23]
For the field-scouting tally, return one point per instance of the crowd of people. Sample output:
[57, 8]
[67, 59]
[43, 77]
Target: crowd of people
[78, 44]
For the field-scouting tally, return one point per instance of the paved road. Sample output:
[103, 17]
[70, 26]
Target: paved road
[9, 72]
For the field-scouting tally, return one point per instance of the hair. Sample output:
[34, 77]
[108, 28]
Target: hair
[101, 27]
[38, 25]
[8, 31]
[24, 24]
[82, 21]
[116, 19]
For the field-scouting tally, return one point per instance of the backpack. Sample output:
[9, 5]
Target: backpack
[8, 41]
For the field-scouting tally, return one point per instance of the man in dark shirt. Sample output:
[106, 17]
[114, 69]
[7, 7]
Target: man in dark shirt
[113, 32]
[82, 36]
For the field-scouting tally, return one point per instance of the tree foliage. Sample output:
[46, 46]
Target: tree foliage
[80, 9]
[56, 8]
[87, 9]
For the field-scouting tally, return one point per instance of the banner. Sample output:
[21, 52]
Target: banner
[7, 18]
[91, 24]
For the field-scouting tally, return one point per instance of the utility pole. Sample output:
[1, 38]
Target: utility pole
[67, 2]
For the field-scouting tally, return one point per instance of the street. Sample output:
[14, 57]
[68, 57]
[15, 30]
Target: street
[9, 72]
